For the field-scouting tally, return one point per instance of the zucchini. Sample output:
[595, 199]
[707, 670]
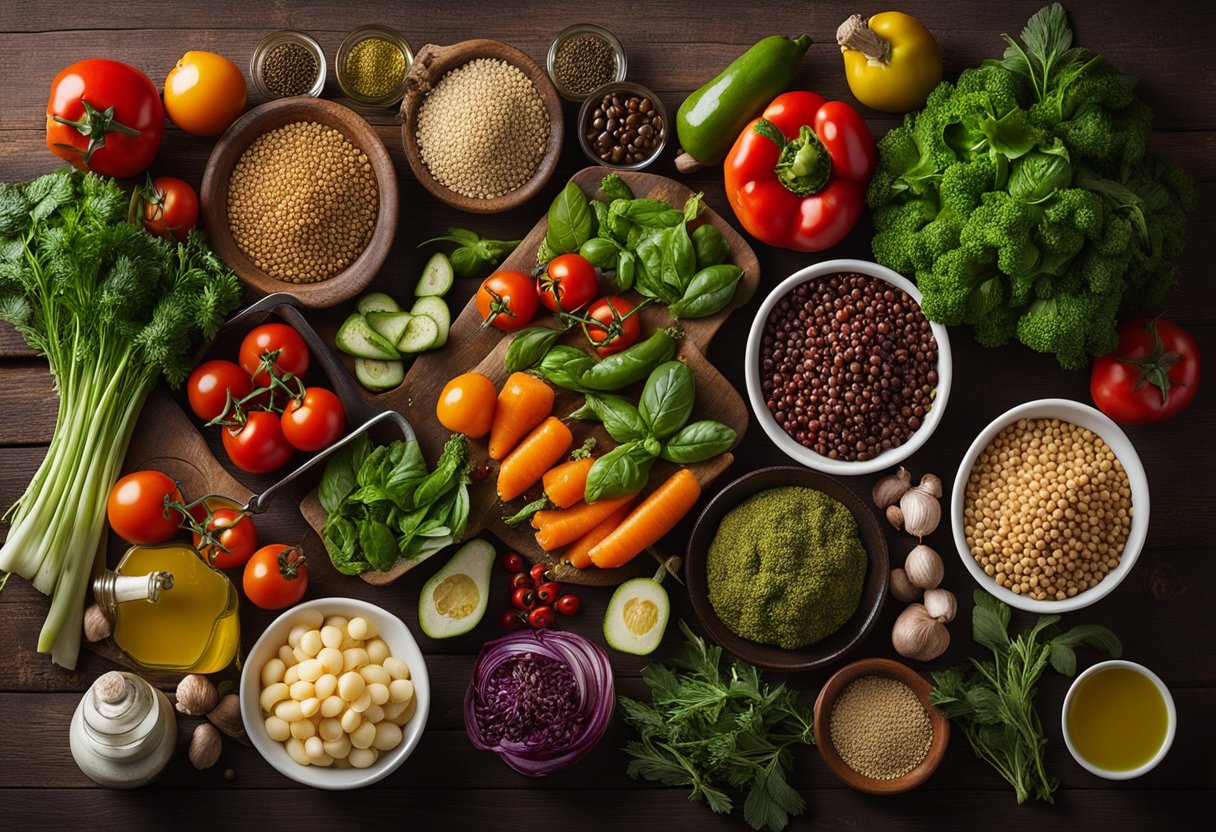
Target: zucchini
[389, 324]
[355, 337]
[376, 302]
[437, 310]
[377, 375]
[420, 335]
[437, 277]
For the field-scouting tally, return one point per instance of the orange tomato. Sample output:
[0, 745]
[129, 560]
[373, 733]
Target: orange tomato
[466, 405]
[204, 93]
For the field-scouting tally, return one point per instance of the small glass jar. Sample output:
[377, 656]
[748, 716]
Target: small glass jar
[349, 84]
[571, 32]
[627, 89]
[257, 64]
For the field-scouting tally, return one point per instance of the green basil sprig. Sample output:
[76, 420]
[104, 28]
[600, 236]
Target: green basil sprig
[529, 346]
[571, 222]
[711, 290]
[616, 413]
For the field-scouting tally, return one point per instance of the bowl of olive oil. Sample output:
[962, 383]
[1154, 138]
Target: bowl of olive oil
[1119, 720]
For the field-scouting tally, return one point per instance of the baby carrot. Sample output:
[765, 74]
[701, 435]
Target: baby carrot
[561, 528]
[522, 405]
[577, 553]
[566, 484]
[544, 446]
[655, 517]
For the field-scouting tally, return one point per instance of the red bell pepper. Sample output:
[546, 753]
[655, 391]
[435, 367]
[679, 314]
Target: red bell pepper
[797, 175]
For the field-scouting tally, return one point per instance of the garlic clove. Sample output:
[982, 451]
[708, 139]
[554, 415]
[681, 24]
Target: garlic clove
[888, 490]
[902, 588]
[931, 484]
[196, 696]
[940, 604]
[895, 517]
[917, 635]
[921, 512]
[924, 567]
[205, 746]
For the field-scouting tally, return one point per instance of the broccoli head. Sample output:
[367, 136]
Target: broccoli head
[1073, 327]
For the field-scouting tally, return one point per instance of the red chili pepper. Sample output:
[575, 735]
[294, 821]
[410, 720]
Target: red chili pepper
[796, 177]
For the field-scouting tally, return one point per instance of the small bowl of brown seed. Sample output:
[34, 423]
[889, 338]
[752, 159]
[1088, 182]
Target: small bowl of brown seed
[1050, 506]
[875, 727]
[623, 125]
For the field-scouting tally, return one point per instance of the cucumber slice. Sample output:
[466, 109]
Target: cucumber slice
[437, 277]
[437, 310]
[377, 375]
[376, 302]
[420, 335]
[356, 338]
[389, 324]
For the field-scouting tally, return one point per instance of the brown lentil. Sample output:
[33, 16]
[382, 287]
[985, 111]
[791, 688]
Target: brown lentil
[289, 69]
[849, 366]
[483, 128]
[624, 129]
[375, 67]
[584, 63]
[302, 202]
[879, 728]
[1048, 509]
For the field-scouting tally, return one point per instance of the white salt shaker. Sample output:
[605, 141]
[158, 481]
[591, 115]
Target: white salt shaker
[123, 732]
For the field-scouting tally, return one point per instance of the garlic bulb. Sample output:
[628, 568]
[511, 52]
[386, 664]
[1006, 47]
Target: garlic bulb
[940, 604]
[924, 567]
[888, 490]
[918, 635]
[901, 587]
[921, 511]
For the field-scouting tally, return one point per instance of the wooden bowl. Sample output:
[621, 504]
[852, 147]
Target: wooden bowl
[823, 734]
[873, 591]
[345, 284]
[431, 64]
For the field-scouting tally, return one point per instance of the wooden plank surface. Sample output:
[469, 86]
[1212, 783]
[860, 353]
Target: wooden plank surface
[1163, 611]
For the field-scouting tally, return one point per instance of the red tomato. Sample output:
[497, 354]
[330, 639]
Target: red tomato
[210, 385]
[570, 279]
[628, 330]
[234, 532]
[281, 344]
[170, 208]
[276, 576]
[136, 507]
[507, 300]
[1152, 374]
[104, 116]
[315, 420]
[258, 446]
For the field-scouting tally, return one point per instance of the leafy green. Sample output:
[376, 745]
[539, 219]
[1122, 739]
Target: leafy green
[571, 222]
[698, 442]
[474, 255]
[667, 399]
[620, 472]
[710, 246]
[529, 346]
[619, 416]
[715, 730]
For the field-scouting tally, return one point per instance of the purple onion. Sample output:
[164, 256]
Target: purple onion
[540, 699]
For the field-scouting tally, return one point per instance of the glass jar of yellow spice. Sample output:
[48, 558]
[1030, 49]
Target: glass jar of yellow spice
[371, 65]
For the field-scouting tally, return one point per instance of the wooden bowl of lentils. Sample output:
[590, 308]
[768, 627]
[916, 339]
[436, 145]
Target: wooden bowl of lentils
[481, 125]
[300, 195]
[844, 372]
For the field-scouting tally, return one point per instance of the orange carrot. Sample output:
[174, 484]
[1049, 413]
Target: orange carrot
[522, 405]
[561, 528]
[577, 555]
[566, 484]
[544, 446]
[655, 517]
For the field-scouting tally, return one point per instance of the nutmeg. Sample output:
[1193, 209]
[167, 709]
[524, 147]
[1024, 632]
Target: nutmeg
[96, 625]
[226, 716]
[196, 696]
[205, 746]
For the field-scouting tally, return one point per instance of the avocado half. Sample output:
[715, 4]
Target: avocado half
[637, 616]
[455, 598]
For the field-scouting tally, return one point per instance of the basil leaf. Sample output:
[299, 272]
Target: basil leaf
[711, 290]
[529, 346]
[340, 477]
[437, 483]
[667, 399]
[613, 187]
[408, 471]
[564, 366]
[710, 246]
[600, 211]
[617, 414]
[698, 442]
[601, 252]
[379, 545]
[570, 220]
[651, 213]
[692, 207]
[341, 541]
[623, 470]
[679, 260]
[626, 270]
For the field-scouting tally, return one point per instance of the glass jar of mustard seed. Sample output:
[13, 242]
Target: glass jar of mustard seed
[583, 58]
[288, 63]
[372, 63]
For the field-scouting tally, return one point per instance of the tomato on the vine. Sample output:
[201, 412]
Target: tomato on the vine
[258, 446]
[466, 405]
[284, 346]
[137, 507]
[210, 386]
[507, 300]
[314, 420]
[1150, 376]
[276, 576]
[233, 530]
[621, 329]
[169, 208]
[569, 279]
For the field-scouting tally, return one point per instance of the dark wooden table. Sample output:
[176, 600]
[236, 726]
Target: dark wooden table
[1163, 611]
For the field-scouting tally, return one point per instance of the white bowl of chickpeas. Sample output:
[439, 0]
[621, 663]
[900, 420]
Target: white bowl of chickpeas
[335, 693]
[1050, 506]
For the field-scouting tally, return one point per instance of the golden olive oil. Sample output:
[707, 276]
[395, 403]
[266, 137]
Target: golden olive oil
[1117, 719]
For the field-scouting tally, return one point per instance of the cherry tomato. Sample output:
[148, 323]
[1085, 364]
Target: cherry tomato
[510, 620]
[1152, 374]
[281, 344]
[523, 598]
[210, 385]
[276, 576]
[570, 279]
[136, 507]
[538, 573]
[315, 420]
[169, 208]
[548, 592]
[521, 579]
[233, 530]
[540, 618]
[568, 604]
[507, 300]
[629, 330]
[204, 93]
[513, 562]
[466, 405]
[258, 446]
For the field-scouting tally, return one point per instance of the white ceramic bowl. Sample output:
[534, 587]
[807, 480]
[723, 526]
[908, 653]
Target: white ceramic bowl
[791, 447]
[1090, 419]
[402, 645]
[1171, 727]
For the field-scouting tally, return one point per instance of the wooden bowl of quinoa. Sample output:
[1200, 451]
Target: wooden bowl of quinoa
[481, 125]
[300, 195]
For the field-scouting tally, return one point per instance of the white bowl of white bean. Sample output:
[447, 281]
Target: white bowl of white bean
[299, 700]
[1058, 510]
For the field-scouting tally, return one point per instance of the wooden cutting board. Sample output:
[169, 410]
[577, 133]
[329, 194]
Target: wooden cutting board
[472, 347]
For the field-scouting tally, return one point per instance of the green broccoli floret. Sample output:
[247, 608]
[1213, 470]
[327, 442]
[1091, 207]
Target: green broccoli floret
[1069, 219]
[964, 184]
[1007, 90]
[903, 169]
[1072, 327]
[996, 327]
[962, 286]
[1002, 225]
[1111, 142]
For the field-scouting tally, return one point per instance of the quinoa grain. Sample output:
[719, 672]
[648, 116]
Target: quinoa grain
[879, 728]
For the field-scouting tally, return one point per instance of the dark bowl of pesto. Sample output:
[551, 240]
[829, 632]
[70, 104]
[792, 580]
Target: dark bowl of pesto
[777, 510]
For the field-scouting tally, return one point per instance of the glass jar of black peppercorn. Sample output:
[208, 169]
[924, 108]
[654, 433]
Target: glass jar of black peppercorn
[623, 125]
[584, 57]
[288, 63]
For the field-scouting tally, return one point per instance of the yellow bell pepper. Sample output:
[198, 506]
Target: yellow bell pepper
[891, 61]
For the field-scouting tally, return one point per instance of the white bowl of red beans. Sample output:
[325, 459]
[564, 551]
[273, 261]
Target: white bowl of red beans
[844, 372]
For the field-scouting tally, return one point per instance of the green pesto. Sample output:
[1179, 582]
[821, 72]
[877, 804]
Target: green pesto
[786, 567]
